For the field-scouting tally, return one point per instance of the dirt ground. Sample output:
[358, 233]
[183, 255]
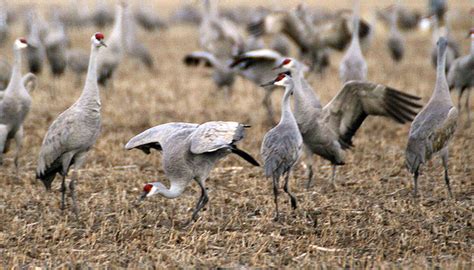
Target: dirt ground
[371, 219]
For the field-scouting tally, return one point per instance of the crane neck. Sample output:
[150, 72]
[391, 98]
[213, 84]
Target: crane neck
[90, 94]
[355, 22]
[117, 36]
[286, 113]
[15, 80]
[174, 191]
[441, 89]
[472, 45]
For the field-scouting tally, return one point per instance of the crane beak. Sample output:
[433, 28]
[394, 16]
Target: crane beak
[103, 43]
[141, 198]
[267, 84]
[277, 67]
[31, 45]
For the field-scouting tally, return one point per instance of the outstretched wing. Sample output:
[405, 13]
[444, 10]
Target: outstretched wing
[195, 58]
[357, 99]
[212, 136]
[249, 58]
[155, 136]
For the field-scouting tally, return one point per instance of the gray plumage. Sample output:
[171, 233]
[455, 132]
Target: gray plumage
[147, 18]
[281, 146]
[327, 131]
[186, 14]
[77, 62]
[353, 65]
[395, 42]
[102, 15]
[73, 133]
[461, 77]
[434, 126]
[35, 53]
[55, 43]
[452, 51]
[133, 47]
[109, 60]
[223, 76]
[4, 29]
[15, 104]
[258, 67]
[5, 73]
[190, 152]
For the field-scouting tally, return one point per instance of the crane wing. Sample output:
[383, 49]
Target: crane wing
[357, 100]
[29, 81]
[154, 137]
[247, 59]
[195, 58]
[212, 136]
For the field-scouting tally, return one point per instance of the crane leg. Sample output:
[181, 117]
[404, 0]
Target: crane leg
[444, 158]
[415, 183]
[333, 177]
[309, 166]
[202, 200]
[467, 108]
[63, 193]
[3, 141]
[19, 144]
[267, 102]
[275, 194]
[285, 188]
[72, 189]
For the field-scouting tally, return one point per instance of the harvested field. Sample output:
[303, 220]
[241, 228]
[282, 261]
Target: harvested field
[370, 221]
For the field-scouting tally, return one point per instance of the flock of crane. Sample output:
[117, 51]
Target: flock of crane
[190, 151]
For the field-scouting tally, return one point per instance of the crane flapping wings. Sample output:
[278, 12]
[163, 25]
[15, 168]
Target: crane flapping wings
[154, 137]
[248, 58]
[358, 99]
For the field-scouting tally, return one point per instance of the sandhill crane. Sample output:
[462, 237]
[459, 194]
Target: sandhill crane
[3, 23]
[313, 37]
[259, 67]
[102, 15]
[15, 104]
[395, 40]
[438, 9]
[190, 152]
[281, 44]
[132, 46]
[434, 126]
[76, 14]
[186, 14]
[109, 60]
[77, 62]
[281, 146]
[5, 73]
[461, 76]
[406, 19]
[148, 19]
[35, 52]
[223, 76]
[353, 65]
[327, 131]
[55, 44]
[73, 133]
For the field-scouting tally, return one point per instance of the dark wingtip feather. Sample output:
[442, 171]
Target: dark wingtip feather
[245, 156]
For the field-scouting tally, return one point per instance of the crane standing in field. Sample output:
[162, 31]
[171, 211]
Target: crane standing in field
[190, 152]
[461, 76]
[15, 103]
[73, 133]
[327, 131]
[109, 60]
[434, 126]
[281, 146]
[353, 65]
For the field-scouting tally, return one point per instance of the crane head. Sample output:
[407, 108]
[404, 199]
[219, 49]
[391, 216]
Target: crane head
[21, 43]
[282, 80]
[98, 40]
[286, 64]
